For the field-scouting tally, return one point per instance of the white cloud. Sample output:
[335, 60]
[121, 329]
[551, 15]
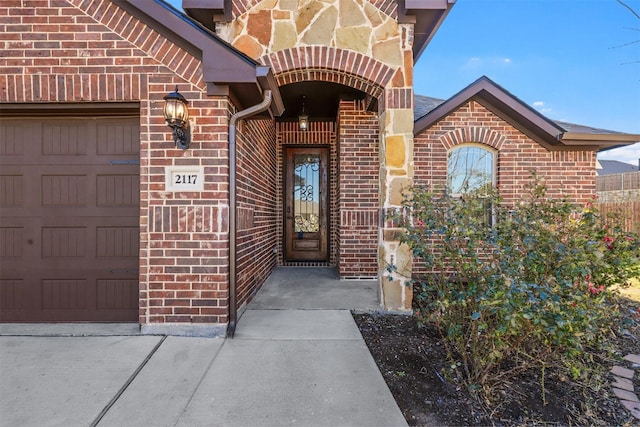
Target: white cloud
[629, 154]
[541, 106]
[488, 62]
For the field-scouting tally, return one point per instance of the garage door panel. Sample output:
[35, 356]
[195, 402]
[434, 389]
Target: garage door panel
[16, 139]
[11, 243]
[12, 294]
[117, 242]
[64, 139]
[64, 242]
[65, 294]
[117, 294]
[64, 190]
[69, 240]
[11, 190]
[118, 190]
[118, 138]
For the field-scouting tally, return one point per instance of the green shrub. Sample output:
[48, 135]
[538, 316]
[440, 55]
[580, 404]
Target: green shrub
[513, 288]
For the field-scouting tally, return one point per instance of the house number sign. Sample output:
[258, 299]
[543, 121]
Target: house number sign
[184, 178]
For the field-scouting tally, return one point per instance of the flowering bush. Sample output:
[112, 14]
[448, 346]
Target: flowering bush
[532, 288]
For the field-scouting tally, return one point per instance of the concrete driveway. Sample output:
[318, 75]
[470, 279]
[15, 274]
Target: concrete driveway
[285, 366]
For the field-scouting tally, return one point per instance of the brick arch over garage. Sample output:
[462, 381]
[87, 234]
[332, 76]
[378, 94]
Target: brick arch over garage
[329, 64]
[477, 134]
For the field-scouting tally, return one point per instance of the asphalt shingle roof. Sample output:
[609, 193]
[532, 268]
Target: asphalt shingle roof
[615, 166]
[423, 105]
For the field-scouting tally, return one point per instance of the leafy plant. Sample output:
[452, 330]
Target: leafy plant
[529, 289]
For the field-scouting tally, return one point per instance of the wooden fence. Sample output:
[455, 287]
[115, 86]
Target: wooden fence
[628, 212]
[620, 194]
[618, 182]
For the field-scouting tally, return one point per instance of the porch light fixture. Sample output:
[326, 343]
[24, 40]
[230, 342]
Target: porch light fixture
[176, 114]
[303, 119]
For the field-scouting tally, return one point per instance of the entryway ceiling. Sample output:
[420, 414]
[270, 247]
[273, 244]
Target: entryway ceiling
[321, 102]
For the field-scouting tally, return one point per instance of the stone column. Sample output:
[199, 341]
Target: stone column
[396, 176]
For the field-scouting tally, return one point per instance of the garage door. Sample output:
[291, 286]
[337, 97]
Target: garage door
[69, 214]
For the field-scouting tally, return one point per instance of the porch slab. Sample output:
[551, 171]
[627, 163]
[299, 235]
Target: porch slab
[297, 325]
[313, 288]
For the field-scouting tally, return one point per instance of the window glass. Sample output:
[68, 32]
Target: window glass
[469, 168]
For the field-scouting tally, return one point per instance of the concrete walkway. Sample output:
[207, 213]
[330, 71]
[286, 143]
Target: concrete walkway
[297, 359]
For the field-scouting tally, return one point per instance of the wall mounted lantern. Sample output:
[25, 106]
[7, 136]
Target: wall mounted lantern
[303, 119]
[176, 114]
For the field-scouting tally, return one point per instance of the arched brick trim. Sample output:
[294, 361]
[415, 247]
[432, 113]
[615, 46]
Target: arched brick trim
[238, 7]
[390, 7]
[176, 59]
[479, 134]
[332, 65]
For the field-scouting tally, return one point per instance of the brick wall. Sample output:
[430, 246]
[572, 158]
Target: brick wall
[566, 173]
[54, 52]
[257, 206]
[358, 190]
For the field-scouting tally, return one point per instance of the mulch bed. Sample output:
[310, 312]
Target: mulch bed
[413, 363]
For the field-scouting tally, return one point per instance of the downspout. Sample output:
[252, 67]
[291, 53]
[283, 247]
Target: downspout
[233, 215]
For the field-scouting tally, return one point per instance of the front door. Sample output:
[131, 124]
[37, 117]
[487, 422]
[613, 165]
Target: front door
[306, 204]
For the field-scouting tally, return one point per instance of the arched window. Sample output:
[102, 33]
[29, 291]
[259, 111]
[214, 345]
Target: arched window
[470, 168]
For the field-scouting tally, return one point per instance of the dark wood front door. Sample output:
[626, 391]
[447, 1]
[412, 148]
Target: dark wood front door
[306, 204]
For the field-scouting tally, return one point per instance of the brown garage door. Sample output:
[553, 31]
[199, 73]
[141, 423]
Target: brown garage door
[69, 214]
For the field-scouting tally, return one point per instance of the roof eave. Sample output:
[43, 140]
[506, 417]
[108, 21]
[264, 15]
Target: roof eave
[427, 16]
[600, 141]
[501, 103]
[222, 64]
[208, 12]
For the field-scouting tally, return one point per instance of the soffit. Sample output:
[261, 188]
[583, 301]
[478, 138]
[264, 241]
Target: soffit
[427, 15]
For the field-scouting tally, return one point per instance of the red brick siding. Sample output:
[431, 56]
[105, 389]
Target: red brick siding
[566, 173]
[358, 190]
[55, 52]
[256, 198]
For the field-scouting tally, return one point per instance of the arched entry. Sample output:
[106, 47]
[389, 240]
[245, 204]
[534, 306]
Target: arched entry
[329, 178]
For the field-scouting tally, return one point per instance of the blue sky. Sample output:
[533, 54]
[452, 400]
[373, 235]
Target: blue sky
[559, 56]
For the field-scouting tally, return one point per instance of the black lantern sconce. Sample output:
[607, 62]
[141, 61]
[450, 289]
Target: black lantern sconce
[303, 118]
[176, 113]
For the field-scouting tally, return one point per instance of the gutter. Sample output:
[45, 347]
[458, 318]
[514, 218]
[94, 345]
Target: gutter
[233, 214]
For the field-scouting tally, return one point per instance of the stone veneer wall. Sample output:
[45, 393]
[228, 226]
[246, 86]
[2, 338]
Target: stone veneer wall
[356, 43]
[260, 28]
[92, 51]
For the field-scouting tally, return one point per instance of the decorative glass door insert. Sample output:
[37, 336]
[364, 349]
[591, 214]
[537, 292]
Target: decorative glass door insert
[306, 204]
